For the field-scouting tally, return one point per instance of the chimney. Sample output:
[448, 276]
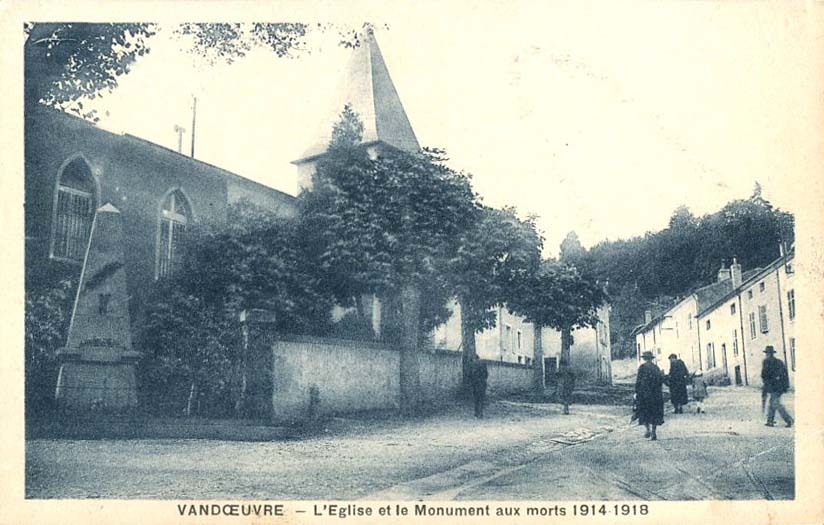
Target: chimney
[735, 271]
[723, 273]
[647, 316]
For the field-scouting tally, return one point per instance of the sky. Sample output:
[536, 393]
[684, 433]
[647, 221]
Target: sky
[591, 117]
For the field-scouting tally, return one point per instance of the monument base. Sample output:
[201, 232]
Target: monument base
[96, 385]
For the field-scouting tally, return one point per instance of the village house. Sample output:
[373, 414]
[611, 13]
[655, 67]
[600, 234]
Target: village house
[512, 340]
[722, 328]
[760, 311]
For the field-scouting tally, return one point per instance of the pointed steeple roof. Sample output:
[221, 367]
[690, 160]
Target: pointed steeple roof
[368, 88]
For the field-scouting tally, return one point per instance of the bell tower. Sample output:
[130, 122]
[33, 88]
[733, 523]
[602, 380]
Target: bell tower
[367, 87]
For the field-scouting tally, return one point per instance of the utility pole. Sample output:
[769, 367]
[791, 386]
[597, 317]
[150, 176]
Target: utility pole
[194, 116]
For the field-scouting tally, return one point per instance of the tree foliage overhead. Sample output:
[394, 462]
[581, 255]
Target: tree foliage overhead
[67, 63]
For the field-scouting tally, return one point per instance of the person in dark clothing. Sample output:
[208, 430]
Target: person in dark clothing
[566, 384]
[477, 383]
[677, 380]
[649, 396]
[776, 382]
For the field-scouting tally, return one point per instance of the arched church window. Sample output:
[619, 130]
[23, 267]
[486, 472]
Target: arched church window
[74, 211]
[175, 216]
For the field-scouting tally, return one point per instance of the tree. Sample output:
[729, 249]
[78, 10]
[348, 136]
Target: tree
[386, 225]
[494, 258]
[562, 299]
[193, 348]
[66, 62]
[47, 316]
[253, 260]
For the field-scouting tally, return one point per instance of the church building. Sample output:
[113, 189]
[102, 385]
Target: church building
[152, 195]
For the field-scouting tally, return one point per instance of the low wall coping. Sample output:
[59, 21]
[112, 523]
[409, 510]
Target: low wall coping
[332, 341]
[376, 345]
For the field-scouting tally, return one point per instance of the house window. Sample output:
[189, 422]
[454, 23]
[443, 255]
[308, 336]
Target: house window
[735, 342]
[749, 294]
[174, 218]
[710, 355]
[519, 339]
[709, 325]
[753, 333]
[791, 304]
[74, 211]
[762, 319]
[792, 353]
[732, 309]
[508, 338]
[761, 287]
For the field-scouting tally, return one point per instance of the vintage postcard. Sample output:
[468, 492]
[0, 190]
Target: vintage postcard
[462, 262]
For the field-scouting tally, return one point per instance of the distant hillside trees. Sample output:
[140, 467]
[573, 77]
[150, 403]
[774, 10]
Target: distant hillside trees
[649, 272]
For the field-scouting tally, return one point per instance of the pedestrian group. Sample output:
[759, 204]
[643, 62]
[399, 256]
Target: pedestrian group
[649, 399]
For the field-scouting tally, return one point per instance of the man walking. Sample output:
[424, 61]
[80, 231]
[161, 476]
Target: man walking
[677, 381]
[776, 382]
[477, 382]
[566, 384]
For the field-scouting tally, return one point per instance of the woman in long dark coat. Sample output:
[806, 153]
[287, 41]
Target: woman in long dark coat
[677, 380]
[649, 396]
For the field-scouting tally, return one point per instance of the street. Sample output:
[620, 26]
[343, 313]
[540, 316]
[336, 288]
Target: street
[520, 451]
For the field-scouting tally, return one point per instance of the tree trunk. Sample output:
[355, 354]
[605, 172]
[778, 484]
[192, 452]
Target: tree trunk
[241, 406]
[538, 363]
[190, 401]
[566, 343]
[468, 349]
[410, 380]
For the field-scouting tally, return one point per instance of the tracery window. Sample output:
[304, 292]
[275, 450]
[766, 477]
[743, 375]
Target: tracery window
[175, 216]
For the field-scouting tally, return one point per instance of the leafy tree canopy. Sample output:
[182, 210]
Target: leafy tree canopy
[377, 224]
[494, 260]
[561, 298]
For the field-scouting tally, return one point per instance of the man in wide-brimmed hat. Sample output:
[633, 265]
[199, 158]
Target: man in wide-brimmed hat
[776, 381]
[649, 397]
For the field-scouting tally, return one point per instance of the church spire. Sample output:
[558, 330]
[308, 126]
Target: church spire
[369, 90]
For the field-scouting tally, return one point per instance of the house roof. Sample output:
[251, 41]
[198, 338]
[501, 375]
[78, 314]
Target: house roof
[368, 88]
[747, 280]
[706, 297]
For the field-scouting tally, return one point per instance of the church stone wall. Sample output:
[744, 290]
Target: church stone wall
[331, 376]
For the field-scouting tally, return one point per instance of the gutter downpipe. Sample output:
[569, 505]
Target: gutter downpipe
[743, 345]
[698, 330]
[781, 309]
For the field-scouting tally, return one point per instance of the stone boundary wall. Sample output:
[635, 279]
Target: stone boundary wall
[324, 376]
